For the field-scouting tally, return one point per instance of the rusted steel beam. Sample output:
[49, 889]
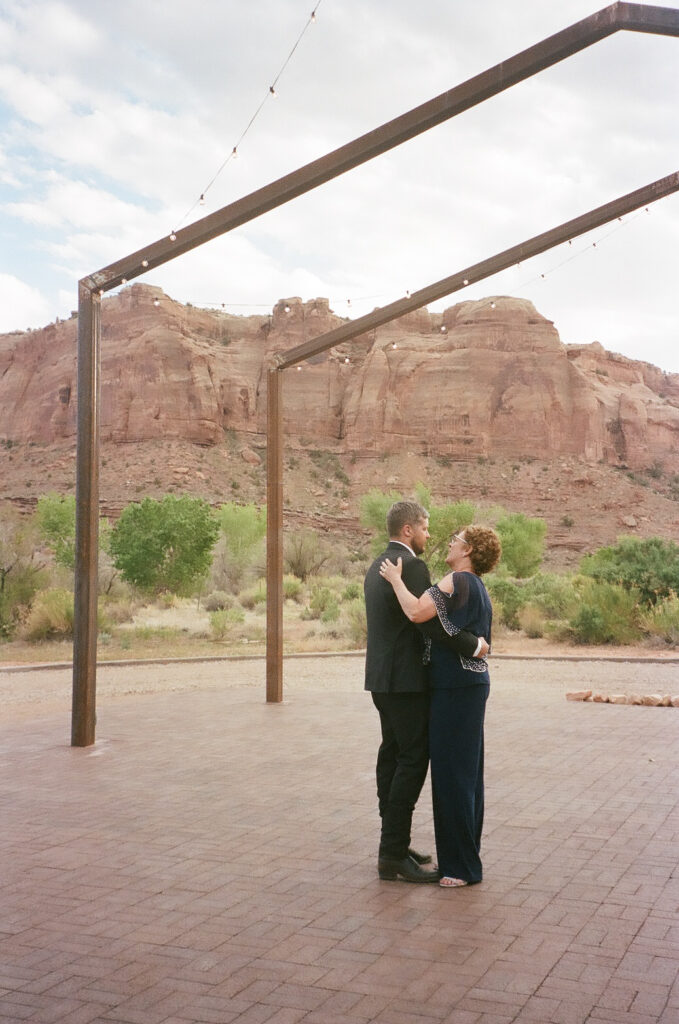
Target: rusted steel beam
[616, 17]
[478, 271]
[643, 18]
[274, 538]
[83, 710]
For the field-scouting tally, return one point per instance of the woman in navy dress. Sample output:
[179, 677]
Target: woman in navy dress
[459, 691]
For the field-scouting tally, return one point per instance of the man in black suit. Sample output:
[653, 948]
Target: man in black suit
[396, 676]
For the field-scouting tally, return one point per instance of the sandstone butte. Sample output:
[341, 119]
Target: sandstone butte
[489, 377]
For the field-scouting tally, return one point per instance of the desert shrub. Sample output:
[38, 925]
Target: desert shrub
[16, 596]
[357, 625]
[217, 601]
[532, 620]
[523, 543]
[352, 591]
[323, 604]
[157, 634]
[662, 619]
[51, 615]
[253, 596]
[556, 596]
[305, 554]
[118, 609]
[331, 612]
[329, 463]
[223, 621]
[649, 566]
[507, 597]
[607, 614]
[292, 588]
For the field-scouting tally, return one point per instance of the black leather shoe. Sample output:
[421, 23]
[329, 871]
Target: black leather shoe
[390, 870]
[420, 858]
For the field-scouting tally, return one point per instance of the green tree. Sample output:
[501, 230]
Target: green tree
[166, 544]
[240, 549]
[649, 565]
[55, 515]
[20, 576]
[523, 543]
[373, 513]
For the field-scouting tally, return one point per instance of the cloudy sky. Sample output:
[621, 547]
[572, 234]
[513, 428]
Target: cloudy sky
[114, 117]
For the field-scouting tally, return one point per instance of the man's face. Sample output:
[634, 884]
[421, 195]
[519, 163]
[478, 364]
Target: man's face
[419, 536]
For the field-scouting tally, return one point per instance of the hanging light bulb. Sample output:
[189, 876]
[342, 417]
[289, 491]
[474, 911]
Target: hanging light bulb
[394, 345]
[201, 201]
[123, 280]
[286, 309]
[407, 293]
[492, 305]
[348, 302]
[234, 152]
[144, 263]
[273, 92]
[346, 359]
[313, 15]
[594, 245]
[299, 369]
[443, 328]
[156, 302]
[173, 237]
[465, 282]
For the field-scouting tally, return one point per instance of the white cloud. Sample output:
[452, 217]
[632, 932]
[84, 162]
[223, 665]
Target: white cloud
[21, 305]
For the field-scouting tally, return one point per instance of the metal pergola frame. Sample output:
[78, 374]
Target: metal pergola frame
[616, 17]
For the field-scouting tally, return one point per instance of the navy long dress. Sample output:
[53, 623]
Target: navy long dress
[459, 691]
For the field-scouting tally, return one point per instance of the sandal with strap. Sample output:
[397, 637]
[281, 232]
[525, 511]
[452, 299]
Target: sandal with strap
[452, 883]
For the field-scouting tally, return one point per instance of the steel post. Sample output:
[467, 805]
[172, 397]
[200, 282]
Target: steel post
[274, 538]
[83, 715]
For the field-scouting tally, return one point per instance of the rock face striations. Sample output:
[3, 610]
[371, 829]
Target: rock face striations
[484, 378]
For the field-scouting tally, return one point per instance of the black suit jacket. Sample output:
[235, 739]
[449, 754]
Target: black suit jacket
[393, 662]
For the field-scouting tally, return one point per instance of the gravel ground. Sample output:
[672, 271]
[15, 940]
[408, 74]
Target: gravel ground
[31, 691]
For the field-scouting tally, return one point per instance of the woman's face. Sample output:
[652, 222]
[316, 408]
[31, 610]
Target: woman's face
[458, 549]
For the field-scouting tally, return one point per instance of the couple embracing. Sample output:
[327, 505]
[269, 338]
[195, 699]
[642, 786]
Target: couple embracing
[426, 670]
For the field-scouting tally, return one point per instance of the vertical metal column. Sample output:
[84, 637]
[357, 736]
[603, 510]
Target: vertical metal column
[274, 537]
[83, 717]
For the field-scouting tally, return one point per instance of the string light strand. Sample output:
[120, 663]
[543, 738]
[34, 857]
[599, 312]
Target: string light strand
[573, 254]
[269, 94]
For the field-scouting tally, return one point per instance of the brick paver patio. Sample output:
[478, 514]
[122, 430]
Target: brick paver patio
[212, 859]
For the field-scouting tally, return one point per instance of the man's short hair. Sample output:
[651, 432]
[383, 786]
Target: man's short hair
[404, 513]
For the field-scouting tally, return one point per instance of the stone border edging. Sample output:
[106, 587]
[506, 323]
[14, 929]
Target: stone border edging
[648, 700]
